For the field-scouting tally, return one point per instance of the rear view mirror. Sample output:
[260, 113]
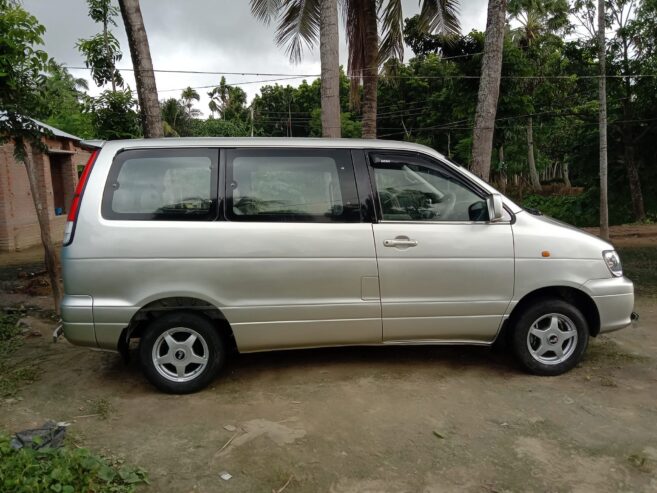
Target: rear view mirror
[495, 207]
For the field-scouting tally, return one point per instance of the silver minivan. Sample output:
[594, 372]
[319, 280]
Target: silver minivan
[197, 247]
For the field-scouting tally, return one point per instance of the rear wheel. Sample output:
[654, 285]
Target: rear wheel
[181, 352]
[550, 337]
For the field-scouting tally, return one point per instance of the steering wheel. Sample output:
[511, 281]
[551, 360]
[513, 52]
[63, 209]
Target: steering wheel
[389, 202]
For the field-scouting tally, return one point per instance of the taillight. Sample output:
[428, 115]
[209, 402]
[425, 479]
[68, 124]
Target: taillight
[77, 198]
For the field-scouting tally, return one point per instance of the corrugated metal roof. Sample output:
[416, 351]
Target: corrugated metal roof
[55, 131]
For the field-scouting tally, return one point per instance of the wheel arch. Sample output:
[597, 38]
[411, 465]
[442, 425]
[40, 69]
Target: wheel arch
[156, 308]
[578, 298]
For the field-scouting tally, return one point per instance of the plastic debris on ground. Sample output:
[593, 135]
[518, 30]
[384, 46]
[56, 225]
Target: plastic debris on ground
[50, 435]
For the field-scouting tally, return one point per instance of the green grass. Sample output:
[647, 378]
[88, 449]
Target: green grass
[9, 334]
[12, 377]
[65, 470]
[101, 407]
[640, 265]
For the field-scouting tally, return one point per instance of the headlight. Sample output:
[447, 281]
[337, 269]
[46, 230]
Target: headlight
[613, 261]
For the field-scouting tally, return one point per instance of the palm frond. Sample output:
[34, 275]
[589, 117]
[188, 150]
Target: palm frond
[299, 26]
[190, 94]
[266, 10]
[392, 24]
[440, 16]
[81, 84]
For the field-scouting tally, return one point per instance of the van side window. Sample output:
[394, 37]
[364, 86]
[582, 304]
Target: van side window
[162, 184]
[296, 185]
[409, 190]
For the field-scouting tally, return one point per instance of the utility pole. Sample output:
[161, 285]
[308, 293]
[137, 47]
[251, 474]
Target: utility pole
[251, 120]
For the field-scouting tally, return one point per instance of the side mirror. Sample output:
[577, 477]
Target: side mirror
[495, 207]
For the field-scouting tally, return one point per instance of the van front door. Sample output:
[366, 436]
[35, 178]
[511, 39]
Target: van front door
[446, 272]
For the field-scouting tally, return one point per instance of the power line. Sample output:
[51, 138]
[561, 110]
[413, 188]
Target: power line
[204, 72]
[382, 76]
[497, 127]
[452, 125]
[239, 83]
[414, 112]
[259, 74]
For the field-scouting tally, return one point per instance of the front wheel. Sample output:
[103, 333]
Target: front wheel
[181, 352]
[550, 337]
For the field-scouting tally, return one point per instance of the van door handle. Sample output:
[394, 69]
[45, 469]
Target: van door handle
[400, 242]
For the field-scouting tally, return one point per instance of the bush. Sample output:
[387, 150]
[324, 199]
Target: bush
[213, 127]
[64, 470]
[578, 210]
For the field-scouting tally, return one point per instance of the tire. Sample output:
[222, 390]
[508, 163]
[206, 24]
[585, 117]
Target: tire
[190, 351]
[550, 337]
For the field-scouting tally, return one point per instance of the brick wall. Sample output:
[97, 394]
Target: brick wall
[19, 227]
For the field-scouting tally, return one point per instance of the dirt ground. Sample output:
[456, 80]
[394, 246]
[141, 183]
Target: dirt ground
[402, 419]
[634, 235]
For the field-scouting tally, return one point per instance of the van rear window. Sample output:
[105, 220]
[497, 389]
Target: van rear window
[162, 184]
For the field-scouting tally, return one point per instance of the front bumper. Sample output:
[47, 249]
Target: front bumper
[614, 298]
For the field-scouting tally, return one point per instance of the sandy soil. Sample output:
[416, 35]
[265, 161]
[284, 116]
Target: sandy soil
[397, 419]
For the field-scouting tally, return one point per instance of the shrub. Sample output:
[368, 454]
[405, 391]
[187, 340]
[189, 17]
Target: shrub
[578, 210]
[63, 470]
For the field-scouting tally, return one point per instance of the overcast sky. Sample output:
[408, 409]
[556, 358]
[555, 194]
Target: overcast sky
[202, 35]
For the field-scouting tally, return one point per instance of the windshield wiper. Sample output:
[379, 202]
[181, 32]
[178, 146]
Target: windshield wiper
[533, 211]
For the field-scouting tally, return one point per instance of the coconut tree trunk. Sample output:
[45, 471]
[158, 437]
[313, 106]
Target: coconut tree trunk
[329, 44]
[371, 69]
[43, 217]
[489, 89]
[143, 66]
[628, 137]
[531, 160]
[632, 173]
[602, 94]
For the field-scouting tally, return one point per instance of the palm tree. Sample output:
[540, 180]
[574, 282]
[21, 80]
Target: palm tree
[299, 24]
[143, 67]
[187, 97]
[229, 101]
[175, 121]
[489, 89]
[539, 20]
[219, 98]
[329, 47]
